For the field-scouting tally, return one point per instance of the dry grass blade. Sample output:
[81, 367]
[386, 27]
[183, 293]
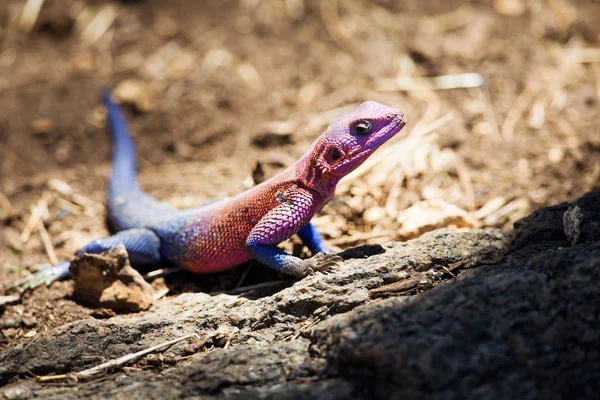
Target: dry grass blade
[30, 14]
[333, 23]
[442, 82]
[47, 242]
[440, 23]
[5, 203]
[39, 211]
[99, 24]
[516, 111]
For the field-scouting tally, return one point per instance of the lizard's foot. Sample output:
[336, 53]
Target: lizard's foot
[323, 262]
[44, 276]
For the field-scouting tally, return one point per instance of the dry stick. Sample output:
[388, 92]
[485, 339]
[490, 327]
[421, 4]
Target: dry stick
[583, 55]
[441, 82]
[233, 333]
[333, 25]
[161, 272]
[433, 109]
[251, 287]
[597, 74]
[160, 294]
[243, 278]
[32, 222]
[465, 180]
[30, 14]
[484, 94]
[5, 202]
[99, 25]
[103, 368]
[518, 108]
[47, 242]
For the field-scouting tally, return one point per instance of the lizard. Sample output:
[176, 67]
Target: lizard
[225, 233]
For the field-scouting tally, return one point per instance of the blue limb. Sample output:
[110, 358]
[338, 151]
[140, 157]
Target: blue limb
[280, 261]
[312, 239]
[142, 245]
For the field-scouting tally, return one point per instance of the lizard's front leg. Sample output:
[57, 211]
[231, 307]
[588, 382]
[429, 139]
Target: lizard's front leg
[312, 239]
[294, 211]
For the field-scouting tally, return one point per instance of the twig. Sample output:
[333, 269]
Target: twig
[251, 287]
[30, 14]
[234, 331]
[38, 212]
[99, 24]
[160, 294]
[295, 8]
[5, 203]
[440, 23]
[103, 368]
[47, 242]
[489, 110]
[582, 55]
[442, 82]
[333, 24]
[161, 272]
[516, 111]
[244, 275]
[465, 180]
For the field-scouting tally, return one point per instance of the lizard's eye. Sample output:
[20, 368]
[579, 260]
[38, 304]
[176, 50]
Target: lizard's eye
[334, 154]
[363, 127]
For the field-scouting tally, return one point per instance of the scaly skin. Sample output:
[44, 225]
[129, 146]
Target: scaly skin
[226, 233]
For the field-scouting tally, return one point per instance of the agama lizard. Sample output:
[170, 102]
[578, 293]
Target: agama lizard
[226, 233]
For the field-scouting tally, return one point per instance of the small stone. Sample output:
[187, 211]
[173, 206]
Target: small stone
[29, 321]
[9, 322]
[102, 313]
[42, 126]
[154, 359]
[135, 93]
[511, 8]
[108, 280]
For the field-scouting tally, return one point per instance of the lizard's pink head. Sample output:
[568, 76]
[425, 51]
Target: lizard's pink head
[351, 139]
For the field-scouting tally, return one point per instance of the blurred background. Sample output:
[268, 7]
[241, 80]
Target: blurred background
[501, 96]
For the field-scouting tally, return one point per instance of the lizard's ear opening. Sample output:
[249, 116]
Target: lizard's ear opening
[334, 154]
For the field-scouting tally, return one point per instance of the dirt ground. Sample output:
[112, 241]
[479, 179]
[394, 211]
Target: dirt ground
[217, 92]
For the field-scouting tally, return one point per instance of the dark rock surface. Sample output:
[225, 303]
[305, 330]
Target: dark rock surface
[489, 315]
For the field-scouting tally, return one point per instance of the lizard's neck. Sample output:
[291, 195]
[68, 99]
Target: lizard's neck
[311, 176]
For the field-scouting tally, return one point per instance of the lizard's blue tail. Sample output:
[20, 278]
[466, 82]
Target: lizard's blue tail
[123, 177]
[128, 206]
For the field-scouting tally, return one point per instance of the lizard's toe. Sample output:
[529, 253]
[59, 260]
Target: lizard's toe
[326, 262]
[44, 276]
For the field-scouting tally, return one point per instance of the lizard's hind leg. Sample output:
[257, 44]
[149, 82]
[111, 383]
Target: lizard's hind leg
[142, 245]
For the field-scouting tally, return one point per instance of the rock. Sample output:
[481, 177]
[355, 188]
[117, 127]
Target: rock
[478, 314]
[108, 280]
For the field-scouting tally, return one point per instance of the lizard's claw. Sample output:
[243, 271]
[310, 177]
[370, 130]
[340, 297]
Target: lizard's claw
[44, 276]
[324, 262]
